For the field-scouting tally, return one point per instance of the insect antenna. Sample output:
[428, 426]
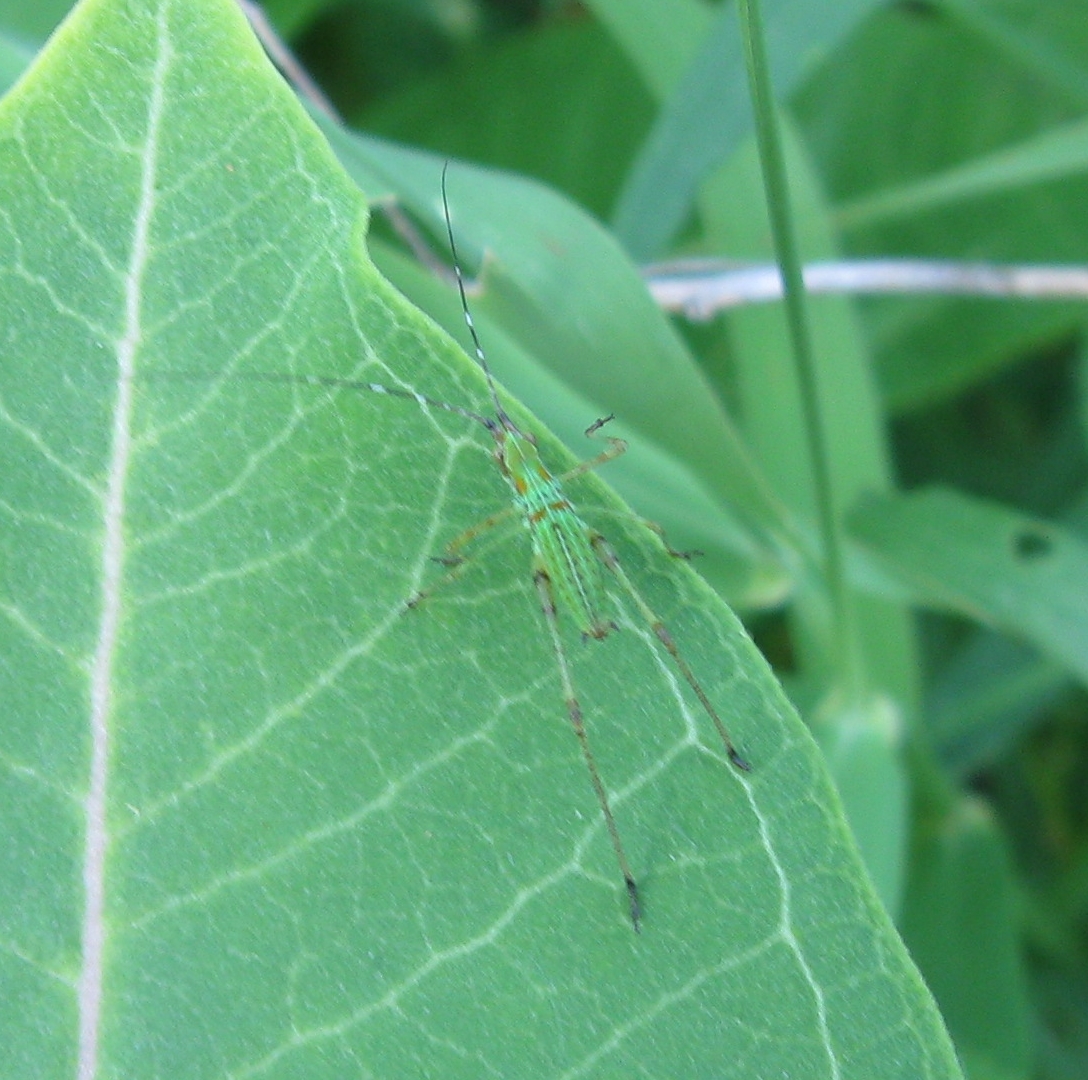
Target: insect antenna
[332, 382]
[481, 359]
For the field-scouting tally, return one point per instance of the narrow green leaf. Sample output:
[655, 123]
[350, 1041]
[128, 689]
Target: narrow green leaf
[265, 822]
[1048, 41]
[1056, 154]
[989, 562]
[961, 921]
[658, 35]
[32, 22]
[14, 57]
[708, 114]
[987, 696]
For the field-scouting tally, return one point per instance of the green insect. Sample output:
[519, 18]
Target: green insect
[570, 559]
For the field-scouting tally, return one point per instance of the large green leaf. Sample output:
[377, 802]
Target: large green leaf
[259, 819]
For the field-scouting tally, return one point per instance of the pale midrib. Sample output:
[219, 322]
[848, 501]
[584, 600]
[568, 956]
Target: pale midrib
[112, 571]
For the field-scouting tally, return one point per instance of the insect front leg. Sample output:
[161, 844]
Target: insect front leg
[574, 712]
[615, 448]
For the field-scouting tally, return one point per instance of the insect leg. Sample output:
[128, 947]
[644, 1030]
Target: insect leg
[627, 515]
[574, 711]
[615, 448]
[456, 562]
[608, 557]
[452, 555]
[653, 526]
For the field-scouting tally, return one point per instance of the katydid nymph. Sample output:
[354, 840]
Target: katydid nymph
[569, 560]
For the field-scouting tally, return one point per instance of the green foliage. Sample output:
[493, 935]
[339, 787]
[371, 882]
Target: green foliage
[339, 838]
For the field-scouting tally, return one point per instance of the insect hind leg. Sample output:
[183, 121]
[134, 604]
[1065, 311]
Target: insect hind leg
[574, 712]
[608, 557]
[688, 554]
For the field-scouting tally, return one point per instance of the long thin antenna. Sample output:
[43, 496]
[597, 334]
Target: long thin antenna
[500, 412]
[332, 382]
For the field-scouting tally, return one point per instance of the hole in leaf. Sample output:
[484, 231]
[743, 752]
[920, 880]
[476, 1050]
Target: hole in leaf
[1030, 544]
